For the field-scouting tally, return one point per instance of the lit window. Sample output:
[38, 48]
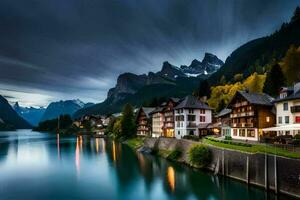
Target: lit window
[267, 119]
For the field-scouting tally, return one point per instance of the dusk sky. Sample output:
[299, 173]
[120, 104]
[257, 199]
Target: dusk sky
[68, 49]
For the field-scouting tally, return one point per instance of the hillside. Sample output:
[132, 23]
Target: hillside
[10, 118]
[30, 114]
[255, 55]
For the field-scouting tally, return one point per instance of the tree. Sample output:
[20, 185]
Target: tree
[275, 79]
[296, 15]
[255, 83]
[110, 126]
[128, 127]
[238, 77]
[290, 65]
[204, 89]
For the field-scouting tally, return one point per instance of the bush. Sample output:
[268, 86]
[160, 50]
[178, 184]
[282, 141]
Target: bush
[174, 155]
[228, 137]
[229, 142]
[297, 137]
[191, 137]
[199, 155]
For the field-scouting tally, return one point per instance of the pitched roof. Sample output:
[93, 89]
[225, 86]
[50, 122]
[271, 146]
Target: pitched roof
[223, 112]
[147, 110]
[257, 98]
[293, 96]
[156, 110]
[192, 102]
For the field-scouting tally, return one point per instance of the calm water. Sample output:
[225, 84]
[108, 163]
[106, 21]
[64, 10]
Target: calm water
[42, 166]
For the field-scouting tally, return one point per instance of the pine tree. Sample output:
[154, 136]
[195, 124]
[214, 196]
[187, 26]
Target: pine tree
[275, 79]
[296, 15]
[128, 127]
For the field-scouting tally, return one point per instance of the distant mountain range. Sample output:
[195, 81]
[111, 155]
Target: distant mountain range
[9, 118]
[55, 109]
[30, 114]
[169, 81]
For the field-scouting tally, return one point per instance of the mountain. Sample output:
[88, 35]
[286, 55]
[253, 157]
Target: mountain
[30, 114]
[256, 54]
[169, 81]
[9, 117]
[69, 107]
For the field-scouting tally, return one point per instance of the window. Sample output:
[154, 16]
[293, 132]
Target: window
[242, 133]
[202, 111]
[191, 111]
[297, 119]
[250, 133]
[268, 119]
[285, 106]
[178, 132]
[191, 132]
[235, 132]
[202, 118]
[287, 119]
[191, 117]
[279, 120]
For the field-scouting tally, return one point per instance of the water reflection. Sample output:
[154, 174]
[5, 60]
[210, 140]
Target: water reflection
[41, 166]
[171, 177]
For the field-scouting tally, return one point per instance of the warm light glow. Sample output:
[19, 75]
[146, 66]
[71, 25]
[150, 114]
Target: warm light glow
[97, 145]
[171, 177]
[103, 146]
[77, 154]
[114, 151]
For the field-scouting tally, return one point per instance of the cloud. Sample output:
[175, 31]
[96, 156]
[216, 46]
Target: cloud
[77, 48]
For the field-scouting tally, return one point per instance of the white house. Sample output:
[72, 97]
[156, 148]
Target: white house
[287, 111]
[157, 122]
[190, 115]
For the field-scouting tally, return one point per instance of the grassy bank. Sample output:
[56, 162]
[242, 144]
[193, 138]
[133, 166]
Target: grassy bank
[254, 148]
[135, 143]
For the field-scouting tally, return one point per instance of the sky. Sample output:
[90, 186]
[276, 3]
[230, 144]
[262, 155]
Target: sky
[54, 50]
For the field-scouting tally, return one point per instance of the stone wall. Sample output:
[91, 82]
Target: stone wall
[271, 172]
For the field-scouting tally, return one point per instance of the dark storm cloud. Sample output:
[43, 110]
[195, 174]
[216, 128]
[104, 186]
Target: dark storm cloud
[76, 48]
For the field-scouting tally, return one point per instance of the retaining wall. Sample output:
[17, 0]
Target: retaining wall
[271, 172]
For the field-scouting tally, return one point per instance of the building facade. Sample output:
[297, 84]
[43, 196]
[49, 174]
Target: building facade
[190, 114]
[168, 113]
[251, 112]
[223, 120]
[157, 122]
[143, 121]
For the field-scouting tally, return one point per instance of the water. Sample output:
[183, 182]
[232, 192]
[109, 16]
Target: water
[43, 166]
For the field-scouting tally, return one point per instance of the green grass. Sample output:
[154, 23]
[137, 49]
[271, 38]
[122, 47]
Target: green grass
[135, 142]
[255, 148]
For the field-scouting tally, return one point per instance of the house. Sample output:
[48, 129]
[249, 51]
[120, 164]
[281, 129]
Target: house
[143, 121]
[251, 112]
[168, 119]
[191, 117]
[157, 117]
[287, 112]
[223, 121]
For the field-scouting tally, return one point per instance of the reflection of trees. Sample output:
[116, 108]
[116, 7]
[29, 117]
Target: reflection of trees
[4, 147]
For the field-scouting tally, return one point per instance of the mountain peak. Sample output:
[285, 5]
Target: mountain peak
[296, 15]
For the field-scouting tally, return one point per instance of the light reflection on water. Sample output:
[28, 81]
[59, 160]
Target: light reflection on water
[44, 166]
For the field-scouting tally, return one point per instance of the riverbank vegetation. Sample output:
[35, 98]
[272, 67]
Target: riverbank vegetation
[63, 124]
[124, 126]
[254, 148]
[135, 143]
[199, 155]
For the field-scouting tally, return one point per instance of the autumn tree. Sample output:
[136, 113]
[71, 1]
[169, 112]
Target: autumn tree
[274, 80]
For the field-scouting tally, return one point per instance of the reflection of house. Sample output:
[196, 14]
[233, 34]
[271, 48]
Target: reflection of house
[143, 121]
[287, 112]
[251, 112]
[168, 112]
[190, 116]
[223, 121]
[157, 121]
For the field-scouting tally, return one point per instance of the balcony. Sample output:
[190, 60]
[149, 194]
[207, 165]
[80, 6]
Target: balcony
[243, 125]
[240, 104]
[242, 114]
[295, 109]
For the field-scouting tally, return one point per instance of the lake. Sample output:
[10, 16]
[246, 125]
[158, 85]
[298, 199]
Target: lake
[45, 166]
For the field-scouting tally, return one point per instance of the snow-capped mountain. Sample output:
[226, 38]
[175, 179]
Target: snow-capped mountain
[30, 114]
